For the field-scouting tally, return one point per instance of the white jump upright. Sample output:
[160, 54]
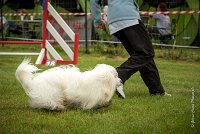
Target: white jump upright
[47, 48]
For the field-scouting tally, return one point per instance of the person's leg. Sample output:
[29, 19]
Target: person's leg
[137, 42]
[151, 78]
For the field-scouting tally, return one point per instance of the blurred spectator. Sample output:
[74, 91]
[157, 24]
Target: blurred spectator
[163, 24]
[4, 22]
[22, 25]
[3, 25]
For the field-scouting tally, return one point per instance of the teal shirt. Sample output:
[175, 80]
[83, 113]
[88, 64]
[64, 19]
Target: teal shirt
[118, 10]
[121, 14]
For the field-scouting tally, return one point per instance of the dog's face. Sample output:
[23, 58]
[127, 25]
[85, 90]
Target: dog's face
[109, 70]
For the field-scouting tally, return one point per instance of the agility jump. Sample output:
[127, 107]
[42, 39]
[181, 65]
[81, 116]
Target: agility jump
[47, 48]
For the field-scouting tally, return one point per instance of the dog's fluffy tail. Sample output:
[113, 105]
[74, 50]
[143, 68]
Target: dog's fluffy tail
[24, 72]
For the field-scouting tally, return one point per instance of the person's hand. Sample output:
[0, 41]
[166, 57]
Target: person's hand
[101, 25]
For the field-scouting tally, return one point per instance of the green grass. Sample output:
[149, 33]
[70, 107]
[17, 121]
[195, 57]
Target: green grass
[138, 113]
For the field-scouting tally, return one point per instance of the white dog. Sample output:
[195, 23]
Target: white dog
[62, 87]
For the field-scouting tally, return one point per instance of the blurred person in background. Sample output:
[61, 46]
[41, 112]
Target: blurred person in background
[3, 21]
[163, 24]
[3, 25]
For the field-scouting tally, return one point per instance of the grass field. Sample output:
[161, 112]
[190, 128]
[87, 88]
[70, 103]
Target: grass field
[138, 113]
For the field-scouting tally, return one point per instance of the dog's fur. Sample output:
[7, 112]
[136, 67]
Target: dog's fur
[62, 87]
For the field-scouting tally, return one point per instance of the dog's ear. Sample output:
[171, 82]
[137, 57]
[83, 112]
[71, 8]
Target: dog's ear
[108, 80]
[105, 76]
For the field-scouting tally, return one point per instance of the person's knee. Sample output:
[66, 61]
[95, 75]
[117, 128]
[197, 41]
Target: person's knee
[149, 53]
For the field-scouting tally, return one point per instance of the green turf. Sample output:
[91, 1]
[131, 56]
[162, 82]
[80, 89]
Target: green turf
[138, 113]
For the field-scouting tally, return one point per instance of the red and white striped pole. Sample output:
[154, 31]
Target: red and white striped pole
[45, 32]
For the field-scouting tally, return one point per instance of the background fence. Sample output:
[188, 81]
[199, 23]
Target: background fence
[25, 20]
